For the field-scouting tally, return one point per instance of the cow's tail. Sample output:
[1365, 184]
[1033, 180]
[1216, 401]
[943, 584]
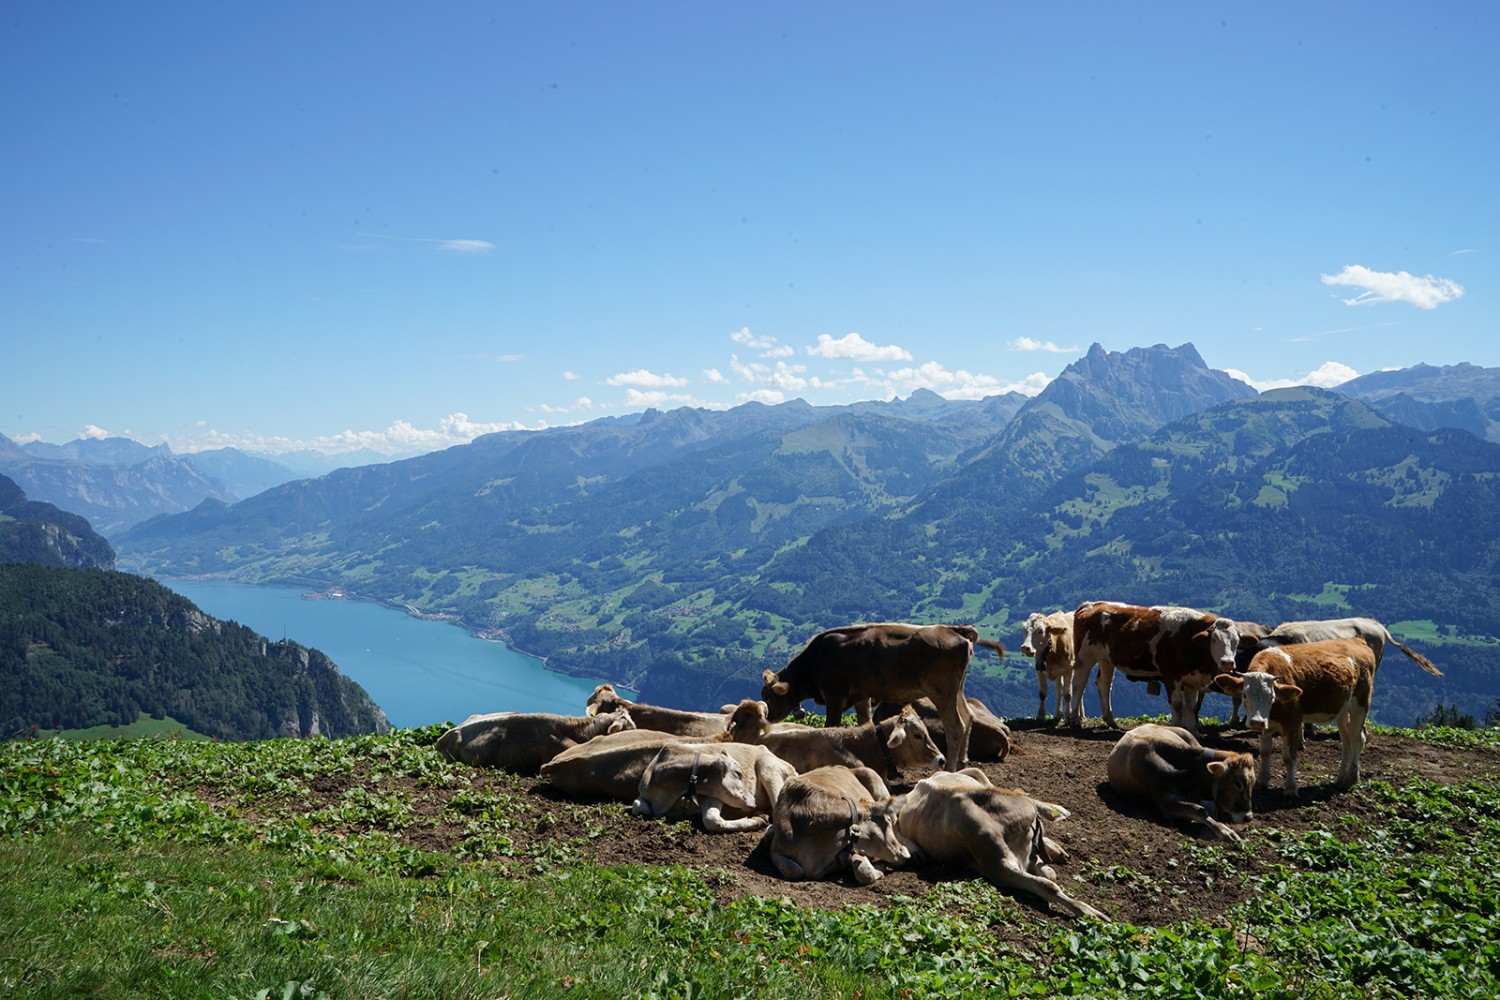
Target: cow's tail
[1422, 661]
[991, 644]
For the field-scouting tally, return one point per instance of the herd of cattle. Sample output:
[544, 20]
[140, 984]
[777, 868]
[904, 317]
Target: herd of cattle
[824, 792]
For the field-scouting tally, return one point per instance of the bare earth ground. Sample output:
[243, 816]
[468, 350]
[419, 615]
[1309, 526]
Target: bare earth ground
[1135, 866]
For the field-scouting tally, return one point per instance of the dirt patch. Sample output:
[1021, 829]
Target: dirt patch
[1132, 864]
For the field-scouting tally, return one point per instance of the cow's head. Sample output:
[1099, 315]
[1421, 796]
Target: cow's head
[604, 699]
[1260, 692]
[907, 741]
[679, 773]
[1233, 779]
[1223, 641]
[779, 696]
[615, 721]
[748, 723]
[1034, 635]
[873, 837]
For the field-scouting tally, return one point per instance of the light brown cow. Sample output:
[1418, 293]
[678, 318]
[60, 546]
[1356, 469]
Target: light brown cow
[1168, 767]
[1049, 640]
[1325, 681]
[1181, 648]
[989, 736]
[882, 662]
[832, 818]
[610, 767]
[524, 741]
[733, 785]
[885, 747]
[663, 720]
[961, 819]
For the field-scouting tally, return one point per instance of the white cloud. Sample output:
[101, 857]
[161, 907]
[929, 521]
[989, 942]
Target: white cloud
[932, 375]
[1027, 344]
[400, 439]
[768, 396]
[1427, 292]
[643, 379]
[853, 347]
[714, 376]
[466, 246]
[750, 340]
[639, 399]
[571, 376]
[93, 431]
[1030, 385]
[1325, 376]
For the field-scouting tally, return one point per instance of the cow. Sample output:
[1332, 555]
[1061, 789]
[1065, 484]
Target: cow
[1181, 648]
[524, 741]
[1329, 680]
[887, 746]
[888, 661]
[1049, 639]
[961, 819]
[832, 818]
[989, 736]
[734, 778]
[1374, 634]
[655, 717]
[1184, 780]
[610, 767]
[748, 723]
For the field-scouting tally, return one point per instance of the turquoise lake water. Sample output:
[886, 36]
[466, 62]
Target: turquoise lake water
[419, 672]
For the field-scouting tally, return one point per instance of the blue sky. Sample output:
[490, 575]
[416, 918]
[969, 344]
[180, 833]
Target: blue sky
[398, 225]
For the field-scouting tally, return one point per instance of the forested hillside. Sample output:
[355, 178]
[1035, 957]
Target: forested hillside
[81, 648]
[32, 531]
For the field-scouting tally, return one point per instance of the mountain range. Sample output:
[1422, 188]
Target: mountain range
[682, 552]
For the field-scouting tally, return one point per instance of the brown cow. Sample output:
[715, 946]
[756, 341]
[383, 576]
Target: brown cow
[833, 818]
[1325, 681]
[882, 662]
[885, 747]
[736, 779]
[989, 736]
[961, 819]
[1181, 648]
[1168, 767]
[524, 741]
[663, 720]
[1049, 639]
[610, 767]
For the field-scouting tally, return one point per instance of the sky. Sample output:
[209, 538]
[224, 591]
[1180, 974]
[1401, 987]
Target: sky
[284, 226]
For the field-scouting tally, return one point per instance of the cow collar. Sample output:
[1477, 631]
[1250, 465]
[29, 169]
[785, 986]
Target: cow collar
[893, 770]
[853, 822]
[692, 785]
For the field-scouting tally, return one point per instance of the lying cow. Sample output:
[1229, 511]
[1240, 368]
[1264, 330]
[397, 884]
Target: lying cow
[885, 747]
[859, 664]
[609, 767]
[832, 818]
[663, 720]
[961, 819]
[734, 786]
[1325, 681]
[1049, 640]
[524, 741]
[989, 736]
[1168, 767]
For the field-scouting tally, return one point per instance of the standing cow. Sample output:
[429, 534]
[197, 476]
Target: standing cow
[1049, 639]
[858, 664]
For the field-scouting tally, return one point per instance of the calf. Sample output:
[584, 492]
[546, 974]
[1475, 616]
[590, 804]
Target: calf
[1168, 767]
[524, 741]
[885, 747]
[1049, 639]
[961, 819]
[663, 720]
[734, 778]
[858, 664]
[832, 818]
[1325, 681]
[989, 736]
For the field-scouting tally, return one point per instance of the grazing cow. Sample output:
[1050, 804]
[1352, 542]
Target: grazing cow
[1049, 639]
[524, 741]
[1181, 648]
[858, 664]
[961, 819]
[736, 779]
[989, 736]
[902, 741]
[832, 818]
[1325, 681]
[1168, 767]
[663, 720]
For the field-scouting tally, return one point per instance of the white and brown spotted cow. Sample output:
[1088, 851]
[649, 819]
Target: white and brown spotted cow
[961, 819]
[524, 741]
[859, 664]
[1181, 648]
[1049, 640]
[656, 717]
[832, 818]
[1325, 681]
[732, 786]
[1168, 767]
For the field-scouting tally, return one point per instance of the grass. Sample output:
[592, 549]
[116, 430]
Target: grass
[159, 868]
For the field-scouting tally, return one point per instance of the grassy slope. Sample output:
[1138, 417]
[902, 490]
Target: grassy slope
[173, 868]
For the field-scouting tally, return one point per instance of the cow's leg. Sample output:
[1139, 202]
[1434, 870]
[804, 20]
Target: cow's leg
[1263, 765]
[1352, 742]
[1079, 681]
[957, 721]
[995, 859]
[1064, 684]
[1041, 693]
[1193, 812]
[836, 708]
[714, 821]
[1104, 682]
[1291, 747]
[865, 870]
[862, 711]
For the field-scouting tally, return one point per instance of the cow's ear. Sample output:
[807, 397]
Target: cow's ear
[1287, 692]
[898, 734]
[1229, 683]
[1200, 636]
[1217, 768]
[769, 677]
